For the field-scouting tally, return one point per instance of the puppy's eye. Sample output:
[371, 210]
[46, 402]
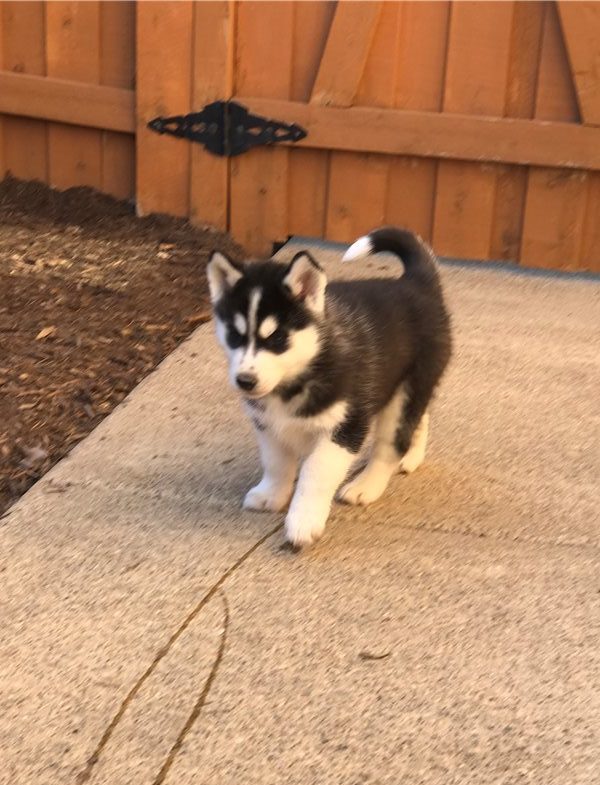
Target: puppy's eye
[234, 338]
[277, 340]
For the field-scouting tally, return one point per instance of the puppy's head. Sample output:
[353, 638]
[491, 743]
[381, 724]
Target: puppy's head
[267, 318]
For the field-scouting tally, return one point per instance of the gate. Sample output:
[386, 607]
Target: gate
[474, 124]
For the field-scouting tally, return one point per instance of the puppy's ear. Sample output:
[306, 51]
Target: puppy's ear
[306, 281]
[222, 275]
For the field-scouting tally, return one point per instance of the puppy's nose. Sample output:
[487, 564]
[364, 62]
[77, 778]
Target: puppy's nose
[246, 381]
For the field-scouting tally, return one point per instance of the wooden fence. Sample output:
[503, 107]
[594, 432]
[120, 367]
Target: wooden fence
[476, 124]
[72, 63]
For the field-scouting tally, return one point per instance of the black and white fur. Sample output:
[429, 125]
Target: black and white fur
[319, 365]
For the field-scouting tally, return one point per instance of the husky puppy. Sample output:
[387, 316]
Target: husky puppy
[320, 364]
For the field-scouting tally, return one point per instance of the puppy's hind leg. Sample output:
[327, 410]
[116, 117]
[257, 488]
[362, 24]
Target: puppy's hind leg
[416, 452]
[392, 432]
[413, 428]
[372, 481]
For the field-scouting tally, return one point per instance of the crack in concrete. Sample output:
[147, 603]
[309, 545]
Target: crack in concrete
[503, 537]
[86, 773]
[198, 706]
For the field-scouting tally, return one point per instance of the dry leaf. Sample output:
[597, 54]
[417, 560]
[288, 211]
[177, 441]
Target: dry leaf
[370, 656]
[199, 317]
[45, 332]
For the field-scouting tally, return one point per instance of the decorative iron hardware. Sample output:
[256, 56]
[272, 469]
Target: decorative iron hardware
[227, 128]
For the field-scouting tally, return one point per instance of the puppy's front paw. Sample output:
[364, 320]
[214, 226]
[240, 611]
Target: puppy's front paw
[262, 499]
[304, 528]
[302, 534]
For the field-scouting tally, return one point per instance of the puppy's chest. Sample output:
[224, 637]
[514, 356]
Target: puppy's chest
[281, 421]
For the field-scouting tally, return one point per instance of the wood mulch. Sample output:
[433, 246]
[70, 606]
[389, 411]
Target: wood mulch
[91, 300]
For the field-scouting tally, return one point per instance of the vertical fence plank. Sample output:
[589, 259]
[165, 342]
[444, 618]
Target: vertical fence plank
[511, 188]
[308, 170]
[346, 53]
[476, 73]
[25, 143]
[555, 96]
[117, 69]
[555, 206]
[212, 80]
[259, 179]
[357, 191]
[312, 27]
[2, 160]
[580, 24]
[419, 79]
[73, 52]
[590, 243]
[163, 87]
[361, 73]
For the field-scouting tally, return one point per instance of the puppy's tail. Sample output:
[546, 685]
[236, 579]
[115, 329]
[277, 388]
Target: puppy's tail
[417, 257]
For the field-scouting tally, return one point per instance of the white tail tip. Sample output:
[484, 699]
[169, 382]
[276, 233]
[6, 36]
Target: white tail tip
[360, 248]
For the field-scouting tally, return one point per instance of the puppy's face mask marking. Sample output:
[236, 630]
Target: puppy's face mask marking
[266, 318]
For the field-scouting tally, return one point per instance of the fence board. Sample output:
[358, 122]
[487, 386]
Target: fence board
[555, 96]
[163, 88]
[555, 206]
[580, 24]
[590, 242]
[26, 145]
[419, 77]
[357, 186]
[308, 170]
[358, 181]
[2, 161]
[117, 69]
[212, 80]
[76, 103]
[431, 134]
[73, 52]
[476, 73]
[259, 180]
[346, 52]
[511, 185]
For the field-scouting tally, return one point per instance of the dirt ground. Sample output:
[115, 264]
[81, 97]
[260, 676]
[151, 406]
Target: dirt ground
[91, 300]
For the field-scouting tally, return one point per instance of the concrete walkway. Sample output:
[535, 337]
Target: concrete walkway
[150, 630]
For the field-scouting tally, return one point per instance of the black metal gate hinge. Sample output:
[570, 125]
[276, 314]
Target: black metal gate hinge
[227, 128]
